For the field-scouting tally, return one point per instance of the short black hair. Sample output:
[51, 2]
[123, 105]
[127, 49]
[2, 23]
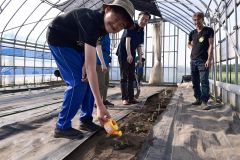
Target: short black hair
[198, 15]
[124, 14]
[145, 13]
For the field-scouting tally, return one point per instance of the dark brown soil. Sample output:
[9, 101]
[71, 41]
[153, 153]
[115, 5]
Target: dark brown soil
[135, 127]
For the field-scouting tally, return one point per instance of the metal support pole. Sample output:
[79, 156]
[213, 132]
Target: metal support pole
[163, 48]
[214, 70]
[226, 41]
[236, 57]
[146, 52]
[186, 41]
[1, 84]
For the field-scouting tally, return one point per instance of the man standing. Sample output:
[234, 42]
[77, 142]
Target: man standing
[131, 40]
[103, 60]
[201, 45]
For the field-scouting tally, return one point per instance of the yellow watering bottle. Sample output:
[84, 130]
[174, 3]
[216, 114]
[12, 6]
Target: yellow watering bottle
[111, 128]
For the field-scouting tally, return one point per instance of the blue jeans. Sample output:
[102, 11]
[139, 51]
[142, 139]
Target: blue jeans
[200, 74]
[78, 95]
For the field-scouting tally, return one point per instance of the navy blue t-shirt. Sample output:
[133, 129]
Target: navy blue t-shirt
[200, 43]
[137, 37]
[105, 44]
[75, 28]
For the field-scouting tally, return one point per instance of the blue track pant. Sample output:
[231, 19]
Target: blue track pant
[78, 94]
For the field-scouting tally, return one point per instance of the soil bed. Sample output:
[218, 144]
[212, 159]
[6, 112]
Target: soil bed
[136, 128]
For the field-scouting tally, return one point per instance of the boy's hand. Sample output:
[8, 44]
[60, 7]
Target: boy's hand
[208, 64]
[84, 74]
[104, 68]
[102, 114]
[129, 59]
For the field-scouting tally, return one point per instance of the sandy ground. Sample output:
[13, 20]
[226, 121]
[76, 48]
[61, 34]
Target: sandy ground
[187, 132]
[200, 134]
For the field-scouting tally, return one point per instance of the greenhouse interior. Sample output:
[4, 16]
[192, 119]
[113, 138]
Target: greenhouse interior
[31, 94]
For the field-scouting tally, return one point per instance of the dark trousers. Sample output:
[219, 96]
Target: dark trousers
[127, 72]
[200, 74]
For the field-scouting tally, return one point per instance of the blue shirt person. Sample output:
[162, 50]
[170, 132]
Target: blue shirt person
[103, 60]
[105, 47]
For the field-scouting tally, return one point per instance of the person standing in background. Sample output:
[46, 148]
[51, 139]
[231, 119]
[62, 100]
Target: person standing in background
[201, 45]
[131, 40]
[103, 60]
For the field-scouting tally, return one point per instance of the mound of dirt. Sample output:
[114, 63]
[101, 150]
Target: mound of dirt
[136, 128]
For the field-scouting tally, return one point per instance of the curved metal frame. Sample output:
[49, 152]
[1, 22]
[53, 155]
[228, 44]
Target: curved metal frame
[13, 16]
[185, 6]
[27, 19]
[167, 8]
[2, 9]
[182, 18]
[173, 21]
